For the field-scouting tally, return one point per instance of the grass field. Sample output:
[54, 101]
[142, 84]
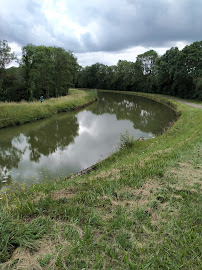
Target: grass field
[141, 209]
[12, 113]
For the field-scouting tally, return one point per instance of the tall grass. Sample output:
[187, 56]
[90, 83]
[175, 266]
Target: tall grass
[15, 233]
[19, 113]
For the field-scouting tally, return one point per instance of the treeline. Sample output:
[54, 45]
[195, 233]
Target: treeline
[47, 71]
[176, 73]
[50, 71]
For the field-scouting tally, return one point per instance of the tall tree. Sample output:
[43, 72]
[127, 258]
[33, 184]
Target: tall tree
[49, 71]
[6, 56]
[189, 71]
[166, 69]
[147, 61]
[147, 64]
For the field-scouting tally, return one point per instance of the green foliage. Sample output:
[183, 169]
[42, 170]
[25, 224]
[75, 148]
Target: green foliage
[166, 69]
[126, 141]
[198, 89]
[49, 71]
[147, 61]
[6, 79]
[6, 56]
[174, 73]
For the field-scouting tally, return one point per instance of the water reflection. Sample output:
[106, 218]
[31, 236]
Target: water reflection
[70, 142]
[145, 114]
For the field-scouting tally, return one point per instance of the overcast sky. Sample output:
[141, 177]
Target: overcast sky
[101, 30]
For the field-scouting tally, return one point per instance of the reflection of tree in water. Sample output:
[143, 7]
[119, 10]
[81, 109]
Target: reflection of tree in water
[146, 114]
[9, 158]
[10, 155]
[47, 138]
[5, 176]
[40, 138]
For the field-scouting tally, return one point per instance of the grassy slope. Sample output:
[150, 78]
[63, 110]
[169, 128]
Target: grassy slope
[140, 210]
[24, 112]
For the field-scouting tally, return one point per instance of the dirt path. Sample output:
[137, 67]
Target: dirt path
[188, 103]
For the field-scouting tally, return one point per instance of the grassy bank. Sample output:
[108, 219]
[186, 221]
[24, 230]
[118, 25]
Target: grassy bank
[141, 209]
[20, 113]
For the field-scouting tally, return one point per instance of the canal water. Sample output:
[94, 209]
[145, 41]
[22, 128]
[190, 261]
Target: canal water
[70, 142]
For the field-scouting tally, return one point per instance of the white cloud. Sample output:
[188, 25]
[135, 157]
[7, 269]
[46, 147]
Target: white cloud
[112, 58]
[101, 30]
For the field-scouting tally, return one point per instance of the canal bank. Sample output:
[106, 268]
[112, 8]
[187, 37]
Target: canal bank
[13, 113]
[140, 209]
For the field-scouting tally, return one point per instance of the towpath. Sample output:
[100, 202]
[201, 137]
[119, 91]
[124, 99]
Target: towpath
[188, 103]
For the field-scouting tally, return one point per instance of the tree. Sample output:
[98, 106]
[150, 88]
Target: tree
[49, 71]
[65, 70]
[198, 88]
[147, 61]
[166, 70]
[6, 56]
[189, 71]
[13, 85]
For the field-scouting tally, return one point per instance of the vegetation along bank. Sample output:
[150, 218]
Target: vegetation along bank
[13, 113]
[141, 208]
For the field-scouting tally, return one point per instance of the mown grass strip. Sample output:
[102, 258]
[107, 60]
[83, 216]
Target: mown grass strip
[140, 210]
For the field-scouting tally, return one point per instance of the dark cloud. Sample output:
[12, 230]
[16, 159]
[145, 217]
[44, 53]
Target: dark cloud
[149, 23]
[20, 21]
[109, 25]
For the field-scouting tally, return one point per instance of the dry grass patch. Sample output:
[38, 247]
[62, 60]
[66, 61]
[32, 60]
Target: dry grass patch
[25, 258]
[113, 174]
[61, 226]
[39, 196]
[161, 152]
[188, 175]
[63, 193]
[147, 188]
[137, 197]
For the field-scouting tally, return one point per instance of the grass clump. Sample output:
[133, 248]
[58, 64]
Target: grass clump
[15, 233]
[126, 141]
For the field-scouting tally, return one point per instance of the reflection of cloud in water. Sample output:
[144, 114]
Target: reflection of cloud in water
[20, 142]
[98, 136]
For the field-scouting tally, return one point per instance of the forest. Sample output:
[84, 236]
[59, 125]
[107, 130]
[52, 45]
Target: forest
[51, 71]
[46, 71]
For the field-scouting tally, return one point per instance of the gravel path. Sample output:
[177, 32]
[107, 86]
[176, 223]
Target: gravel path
[188, 103]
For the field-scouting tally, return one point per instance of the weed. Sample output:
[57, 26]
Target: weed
[126, 141]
